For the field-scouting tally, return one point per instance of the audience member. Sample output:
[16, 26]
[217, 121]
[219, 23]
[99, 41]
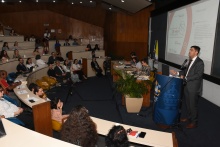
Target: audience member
[46, 41]
[8, 110]
[29, 64]
[16, 46]
[145, 67]
[36, 51]
[52, 58]
[93, 54]
[96, 47]
[32, 86]
[95, 66]
[56, 110]
[26, 38]
[88, 47]
[51, 72]
[66, 43]
[16, 54]
[12, 33]
[60, 73]
[75, 42]
[59, 58]
[70, 37]
[79, 128]
[117, 137]
[5, 46]
[39, 61]
[38, 91]
[21, 68]
[76, 68]
[32, 38]
[4, 55]
[57, 46]
[8, 88]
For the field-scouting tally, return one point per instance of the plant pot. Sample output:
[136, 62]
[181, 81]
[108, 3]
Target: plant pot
[133, 105]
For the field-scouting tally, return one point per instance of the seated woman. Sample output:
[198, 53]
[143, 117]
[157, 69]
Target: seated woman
[88, 47]
[5, 46]
[56, 114]
[9, 110]
[96, 47]
[12, 33]
[145, 67]
[66, 68]
[137, 63]
[95, 66]
[36, 51]
[16, 46]
[39, 61]
[117, 137]
[76, 68]
[79, 129]
[4, 55]
[29, 64]
[16, 54]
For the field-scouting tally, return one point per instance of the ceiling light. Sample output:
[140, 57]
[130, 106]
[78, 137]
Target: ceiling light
[3, 1]
[90, 1]
[110, 8]
[19, 1]
[72, 3]
[54, 1]
[81, 2]
[122, 1]
[37, 1]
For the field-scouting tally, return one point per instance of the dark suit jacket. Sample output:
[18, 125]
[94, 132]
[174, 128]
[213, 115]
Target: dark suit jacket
[57, 71]
[51, 60]
[21, 67]
[194, 77]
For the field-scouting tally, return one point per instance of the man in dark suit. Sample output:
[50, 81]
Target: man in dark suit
[192, 76]
[21, 68]
[95, 66]
[60, 73]
[52, 58]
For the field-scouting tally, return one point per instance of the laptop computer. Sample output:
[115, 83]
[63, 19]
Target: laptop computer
[2, 129]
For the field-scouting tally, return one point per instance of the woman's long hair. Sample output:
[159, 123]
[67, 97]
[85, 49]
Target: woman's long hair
[117, 137]
[79, 128]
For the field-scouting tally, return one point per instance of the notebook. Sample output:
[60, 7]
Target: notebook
[2, 130]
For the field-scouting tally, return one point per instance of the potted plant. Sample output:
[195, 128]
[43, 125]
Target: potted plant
[132, 90]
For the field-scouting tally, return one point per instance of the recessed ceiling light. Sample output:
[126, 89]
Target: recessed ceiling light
[37, 1]
[19, 1]
[54, 1]
[3, 1]
[72, 3]
[90, 1]
[122, 1]
[81, 2]
[110, 8]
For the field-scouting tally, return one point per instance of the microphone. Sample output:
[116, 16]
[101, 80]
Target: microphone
[183, 65]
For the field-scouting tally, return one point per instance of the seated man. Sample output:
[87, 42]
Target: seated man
[40, 93]
[95, 66]
[8, 89]
[52, 58]
[51, 72]
[21, 68]
[60, 73]
[9, 110]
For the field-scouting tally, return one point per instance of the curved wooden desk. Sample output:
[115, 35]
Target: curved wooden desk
[18, 136]
[41, 109]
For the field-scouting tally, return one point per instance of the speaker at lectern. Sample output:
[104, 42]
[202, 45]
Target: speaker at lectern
[167, 98]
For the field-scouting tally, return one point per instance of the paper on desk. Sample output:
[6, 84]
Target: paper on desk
[22, 92]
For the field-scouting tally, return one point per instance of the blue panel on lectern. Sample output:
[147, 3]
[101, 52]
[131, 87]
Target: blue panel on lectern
[168, 91]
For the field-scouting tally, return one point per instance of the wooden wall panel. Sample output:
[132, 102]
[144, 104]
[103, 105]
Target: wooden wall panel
[126, 33]
[32, 22]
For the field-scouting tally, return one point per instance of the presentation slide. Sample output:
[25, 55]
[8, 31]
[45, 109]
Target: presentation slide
[194, 24]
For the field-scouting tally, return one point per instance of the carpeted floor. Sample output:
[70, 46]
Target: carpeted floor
[102, 101]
